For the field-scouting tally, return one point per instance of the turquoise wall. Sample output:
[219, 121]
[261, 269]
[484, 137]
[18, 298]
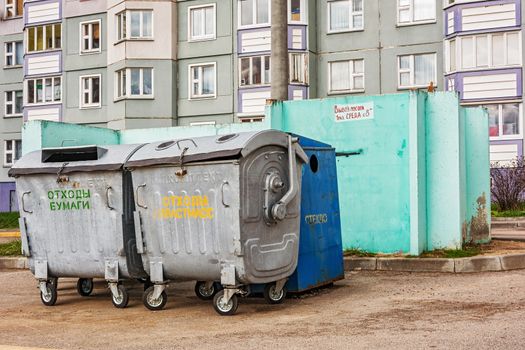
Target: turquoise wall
[419, 178]
[374, 185]
[45, 134]
[477, 175]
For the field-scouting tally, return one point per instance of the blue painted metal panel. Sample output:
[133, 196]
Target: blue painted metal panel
[320, 248]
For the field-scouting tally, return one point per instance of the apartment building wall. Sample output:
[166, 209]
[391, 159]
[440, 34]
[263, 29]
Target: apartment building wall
[379, 43]
[484, 63]
[218, 48]
[11, 78]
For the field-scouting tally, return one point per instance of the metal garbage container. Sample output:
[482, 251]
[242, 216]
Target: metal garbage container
[220, 209]
[76, 206]
[320, 260]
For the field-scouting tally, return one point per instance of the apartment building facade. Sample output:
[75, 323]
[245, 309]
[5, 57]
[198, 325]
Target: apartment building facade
[133, 64]
[484, 58]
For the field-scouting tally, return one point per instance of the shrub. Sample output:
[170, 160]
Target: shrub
[508, 184]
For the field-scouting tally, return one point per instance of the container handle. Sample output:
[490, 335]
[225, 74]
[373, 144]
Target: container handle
[23, 203]
[186, 140]
[138, 197]
[109, 188]
[279, 210]
[224, 184]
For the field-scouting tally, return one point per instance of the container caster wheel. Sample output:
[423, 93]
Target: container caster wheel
[154, 304]
[85, 286]
[49, 297]
[224, 308]
[54, 282]
[120, 300]
[272, 296]
[205, 292]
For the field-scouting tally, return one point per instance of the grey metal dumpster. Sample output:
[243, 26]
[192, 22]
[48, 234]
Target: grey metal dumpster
[218, 208]
[76, 207]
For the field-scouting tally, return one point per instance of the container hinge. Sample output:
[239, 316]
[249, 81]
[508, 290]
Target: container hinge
[182, 171]
[61, 178]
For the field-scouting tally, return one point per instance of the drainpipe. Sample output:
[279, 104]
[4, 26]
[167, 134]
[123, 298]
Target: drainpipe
[279, 58]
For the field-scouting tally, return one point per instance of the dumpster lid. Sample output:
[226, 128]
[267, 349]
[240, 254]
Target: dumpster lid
[205, 148]
[66, 160]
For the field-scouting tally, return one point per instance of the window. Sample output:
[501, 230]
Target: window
[12, 151]
[484, 51]
[90, 91]
[43, 38]
[255, 71]
[254, 12]
[504, 120]
[134, 24]
[201, 22]
[415, 11]
[14, 101]
[298, 68]
[90, 37]
[134, 83]
[14, 54]
[417, 70]
[14, 8]
[451, 84]
[297, 11]
[202, 80]
[44, 90]
[345, 15]
[346, 76]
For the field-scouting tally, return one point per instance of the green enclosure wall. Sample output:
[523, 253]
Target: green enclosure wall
[413, 173]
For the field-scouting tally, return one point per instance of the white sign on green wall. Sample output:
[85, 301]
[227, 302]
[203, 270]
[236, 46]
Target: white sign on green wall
[354, 112]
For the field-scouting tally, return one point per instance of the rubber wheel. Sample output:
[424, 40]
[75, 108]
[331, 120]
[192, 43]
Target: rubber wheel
[120, 301]
[225, 309]
[205, 294]
[154, 304]
[271, 296]
[85, 286]
[51, 297]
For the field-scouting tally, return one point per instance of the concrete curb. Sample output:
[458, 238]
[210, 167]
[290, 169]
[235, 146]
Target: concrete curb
[13, 263]
[460, 265]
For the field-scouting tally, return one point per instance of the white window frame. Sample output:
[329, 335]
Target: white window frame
[199, 81]
[12, 54]
[353, 75]
[26, 91]
[412, 22]
[12, 103]
[411, 70]
[127, 85]
[459, 52]
[251, 84]
[254, 16]
[91, 50]
[303, 69]
[123, 35]
[11, 152]
[44, 49]
[304, 13]
[351, 14]
[502, 137]
[12, 7]
[82, 91]
[204, 37]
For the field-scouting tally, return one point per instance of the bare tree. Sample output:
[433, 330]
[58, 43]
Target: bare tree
[508, 184]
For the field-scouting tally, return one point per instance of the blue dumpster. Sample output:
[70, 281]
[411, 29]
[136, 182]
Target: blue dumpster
[320, 243]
